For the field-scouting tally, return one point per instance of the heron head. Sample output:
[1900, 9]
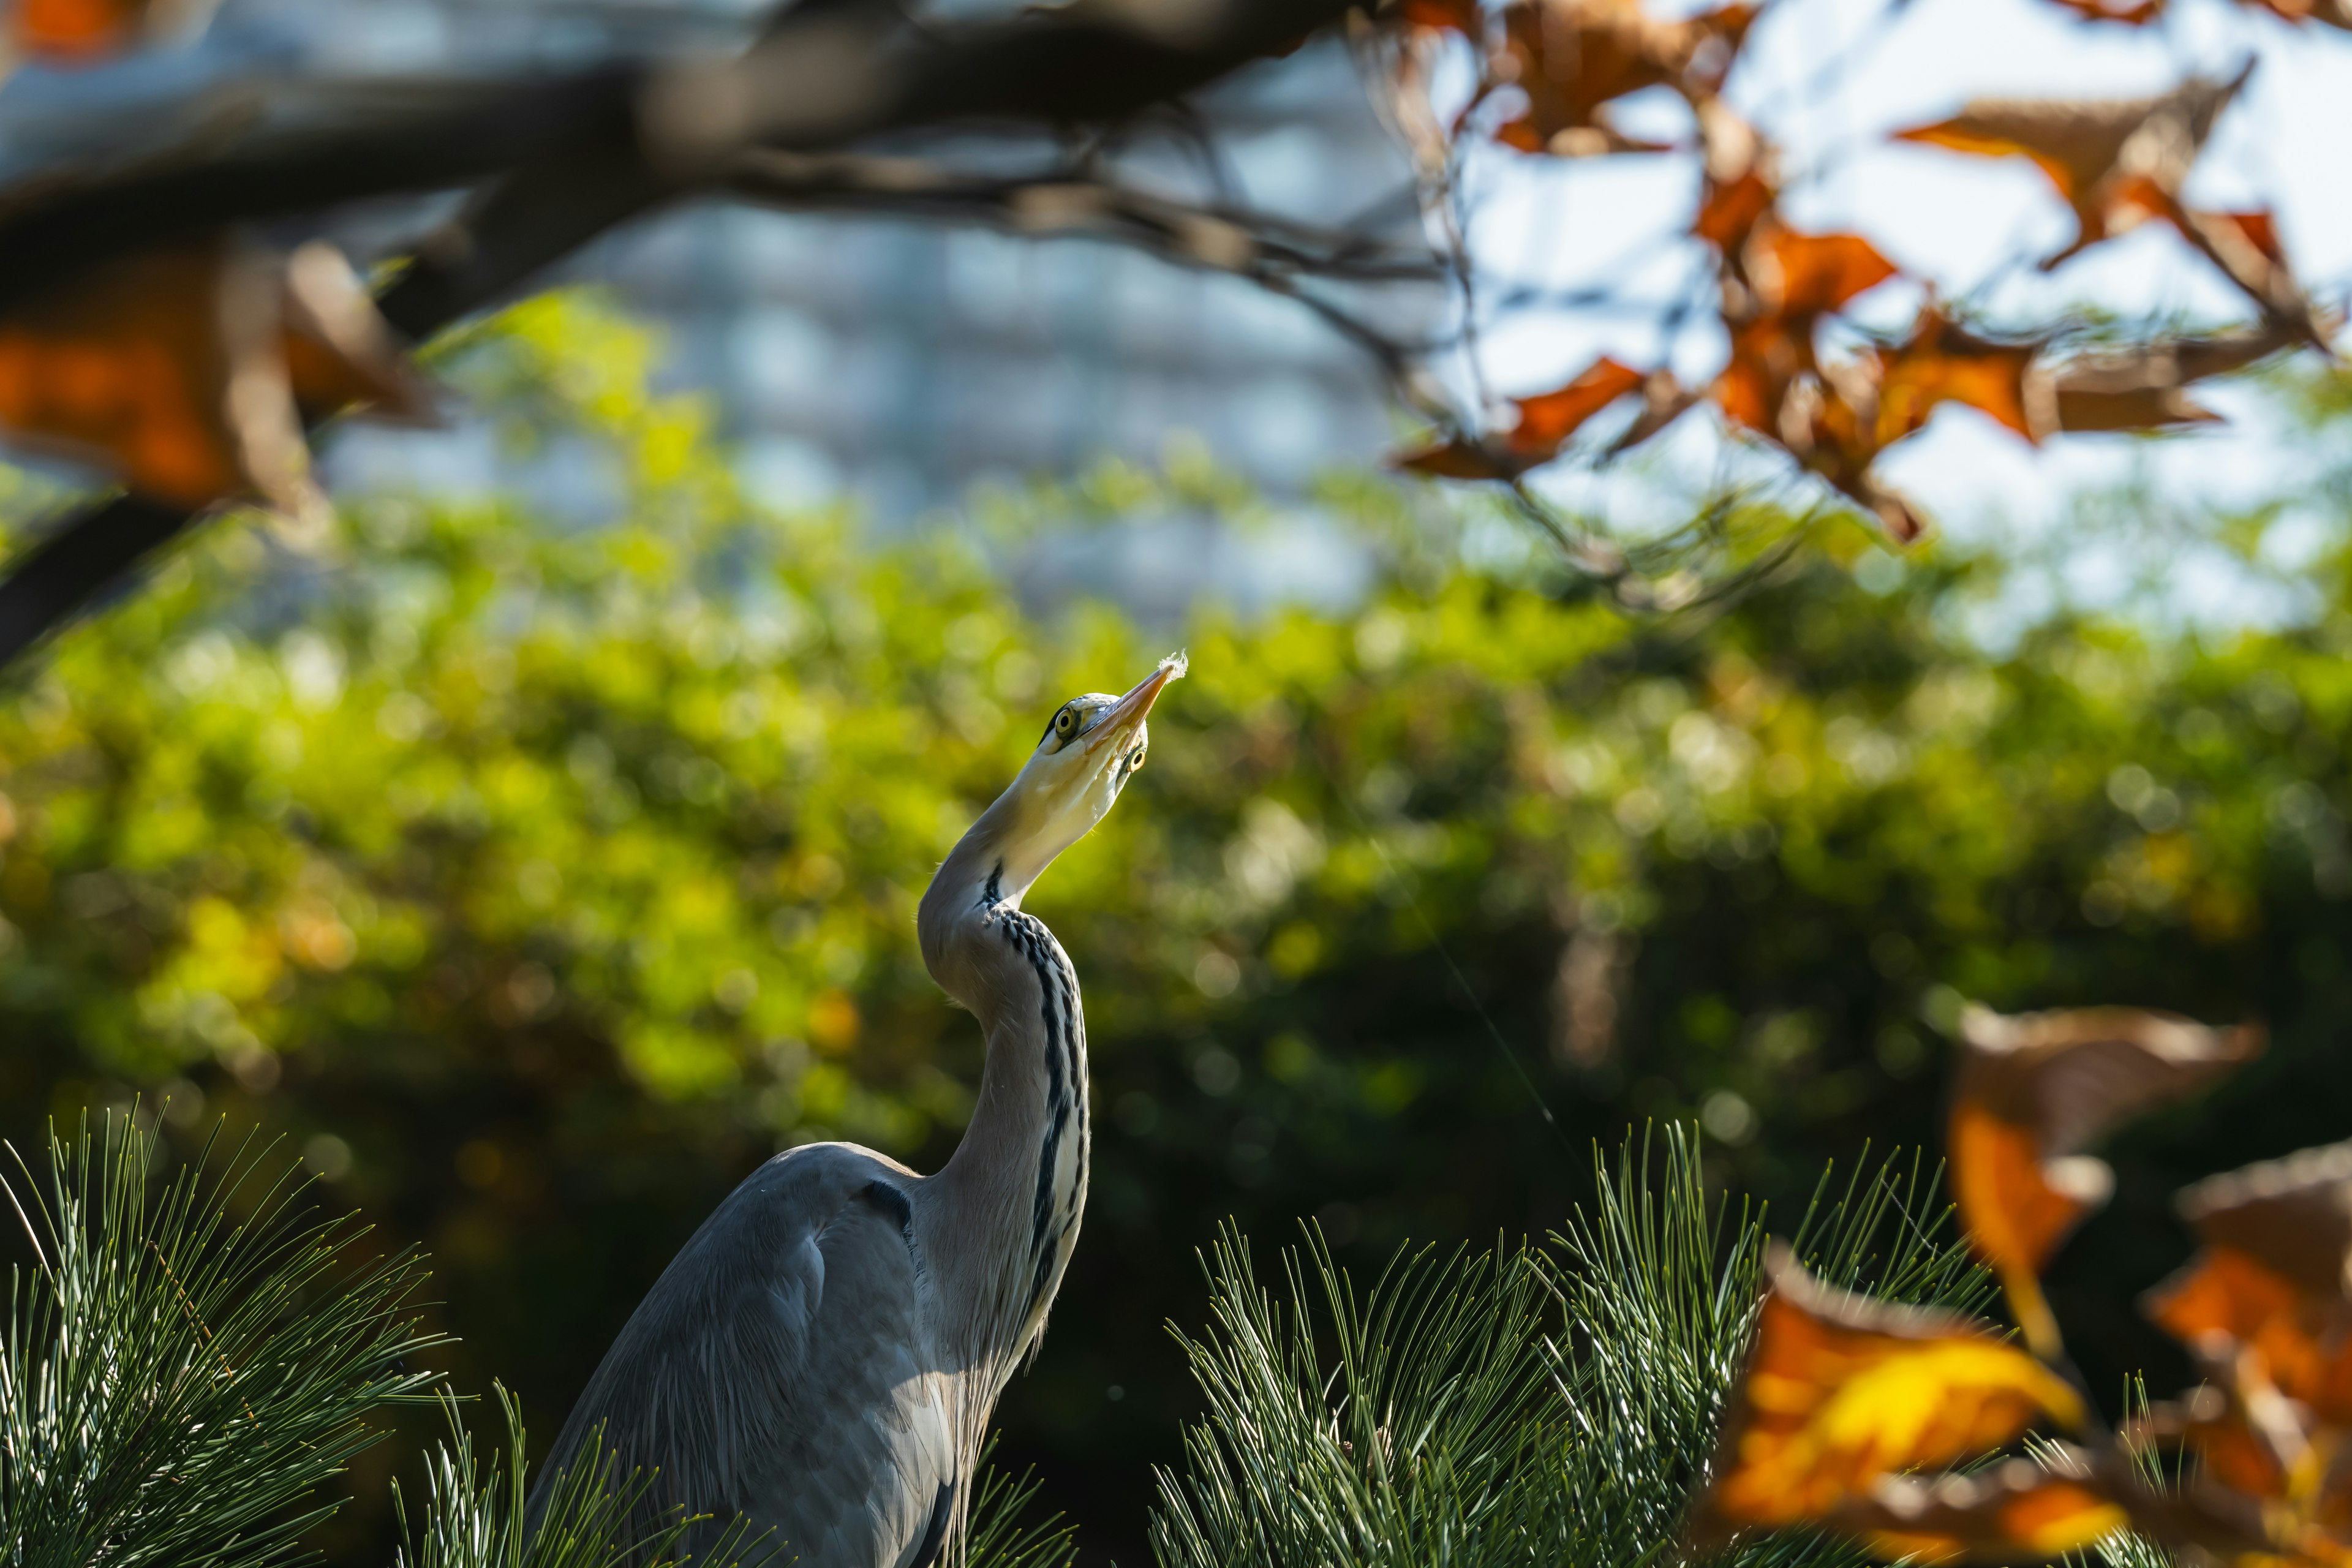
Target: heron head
[1091, 747]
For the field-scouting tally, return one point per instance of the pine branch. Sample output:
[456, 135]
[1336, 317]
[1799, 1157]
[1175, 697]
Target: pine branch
[1519, 1406]
[184, 1366]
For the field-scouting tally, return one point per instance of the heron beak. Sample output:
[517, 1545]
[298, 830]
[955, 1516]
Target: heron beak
[1128, 713]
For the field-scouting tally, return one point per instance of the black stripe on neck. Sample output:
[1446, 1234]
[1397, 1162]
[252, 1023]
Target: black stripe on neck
[1057, 1011]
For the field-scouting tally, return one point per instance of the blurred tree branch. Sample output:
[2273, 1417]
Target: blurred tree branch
[552, 162]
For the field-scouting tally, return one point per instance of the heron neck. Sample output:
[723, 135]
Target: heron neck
[1012, 1194]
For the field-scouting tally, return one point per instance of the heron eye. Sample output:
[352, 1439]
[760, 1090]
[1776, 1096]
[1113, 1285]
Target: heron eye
[1066, 720]
[1135, 759]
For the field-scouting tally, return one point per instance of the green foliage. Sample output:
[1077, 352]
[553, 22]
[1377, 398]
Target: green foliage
[1527, 1405]
[543, 878]
[185, 1369]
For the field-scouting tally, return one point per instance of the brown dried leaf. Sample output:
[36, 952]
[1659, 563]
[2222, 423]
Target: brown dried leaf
[2245, 246]
[2034, 1091]
[1943, 362]
[2275, 1274]
[161, 367]
[1729, 211]
[1571, 56]
[2144, 388]
[1806, 275]
[1546, 422]
[2293, 1215]
[1840, 1391]
[2116, 164]
[180, 369]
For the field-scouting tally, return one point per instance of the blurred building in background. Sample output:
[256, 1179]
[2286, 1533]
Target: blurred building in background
[898, 362]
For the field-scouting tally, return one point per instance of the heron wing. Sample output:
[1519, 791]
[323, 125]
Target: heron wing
[780, 1369]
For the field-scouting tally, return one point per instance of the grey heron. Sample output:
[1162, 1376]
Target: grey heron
[822, 1356]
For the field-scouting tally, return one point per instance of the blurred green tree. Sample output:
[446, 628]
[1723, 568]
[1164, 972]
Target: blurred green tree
[544, 880]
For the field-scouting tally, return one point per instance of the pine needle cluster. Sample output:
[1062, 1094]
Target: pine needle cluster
[186, 1364]
[1538, 1404]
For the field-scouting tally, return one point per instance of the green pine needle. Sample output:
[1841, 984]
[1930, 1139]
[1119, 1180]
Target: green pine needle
[588, 1519]
[1521, 1406]
[186, 1364]
[997, 1536]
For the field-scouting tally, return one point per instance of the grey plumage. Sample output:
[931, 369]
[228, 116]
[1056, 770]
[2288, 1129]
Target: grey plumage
[823, 1355]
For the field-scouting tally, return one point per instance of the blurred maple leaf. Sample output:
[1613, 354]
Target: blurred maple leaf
[2275, 1277]
[1790, 281]
[181, 368]
[2045, 1507]
[2035, 1091]
[1943, 362]
[1840, 1391]
[1546, 422]
[1729, 211]
[80, 31]
[1838, 420]
[1778, 284]
[74, 30]
[2116, 164]
[1571, 57]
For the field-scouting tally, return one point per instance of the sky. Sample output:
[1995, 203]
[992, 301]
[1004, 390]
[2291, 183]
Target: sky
[1829, 80]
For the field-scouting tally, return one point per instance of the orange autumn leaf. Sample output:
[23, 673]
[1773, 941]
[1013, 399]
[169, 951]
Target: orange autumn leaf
[1730, 210]
[179, 369]
[2020, 1508]
[2034, 1091]
[2116, 164]
[72, 30]
[1942, 363]
[134, 365]
[2293, 1215]
[1549, 418]
[1546, 422]
[1840, 1391]
[1794, 279]
[1810, 274]
[2275, 1277]
[1766, 356]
